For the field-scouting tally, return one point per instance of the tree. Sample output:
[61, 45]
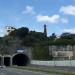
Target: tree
[41, 53]
[21, 32]
[66, 36]
[37, 35]
[53, 36]
[34, 38]
[29, 41]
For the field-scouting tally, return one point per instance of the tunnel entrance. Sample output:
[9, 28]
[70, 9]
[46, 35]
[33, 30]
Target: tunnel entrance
[20, 60]
[7, 61]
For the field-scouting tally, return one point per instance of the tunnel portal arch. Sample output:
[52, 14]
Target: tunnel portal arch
[20, 59]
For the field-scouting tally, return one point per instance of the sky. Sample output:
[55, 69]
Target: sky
[58, 15]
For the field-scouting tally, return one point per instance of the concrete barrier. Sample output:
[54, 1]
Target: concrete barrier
[54, 63]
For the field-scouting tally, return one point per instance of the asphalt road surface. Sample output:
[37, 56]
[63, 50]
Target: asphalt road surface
[14, 71]
[10, 71]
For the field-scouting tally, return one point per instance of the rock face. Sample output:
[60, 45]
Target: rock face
[62, 51]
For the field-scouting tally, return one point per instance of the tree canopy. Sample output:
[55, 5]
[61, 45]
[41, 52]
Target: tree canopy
[21, 32]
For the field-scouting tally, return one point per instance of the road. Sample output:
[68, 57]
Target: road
[14, 71]
[11, 71]
[57, 68]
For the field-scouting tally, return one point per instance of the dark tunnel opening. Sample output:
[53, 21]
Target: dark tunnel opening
[7, 61]
[20, 60]
[0, 60]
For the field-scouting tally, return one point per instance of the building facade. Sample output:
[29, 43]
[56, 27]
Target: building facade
[62, 52]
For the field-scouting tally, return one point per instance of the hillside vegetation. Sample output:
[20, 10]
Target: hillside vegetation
[22, 37]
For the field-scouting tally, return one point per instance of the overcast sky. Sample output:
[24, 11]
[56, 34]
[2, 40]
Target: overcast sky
[58, 15]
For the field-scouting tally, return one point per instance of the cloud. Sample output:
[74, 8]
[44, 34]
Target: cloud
[50, 19]
[72, 30]
[70, 10]
[29, 10]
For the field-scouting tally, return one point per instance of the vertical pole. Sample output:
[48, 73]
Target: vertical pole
[54, 63]
[11, 61]
[2, 60]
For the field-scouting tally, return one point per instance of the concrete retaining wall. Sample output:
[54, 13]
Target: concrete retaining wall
[54, 63]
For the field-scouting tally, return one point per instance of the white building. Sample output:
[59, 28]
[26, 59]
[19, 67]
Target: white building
[9, 29]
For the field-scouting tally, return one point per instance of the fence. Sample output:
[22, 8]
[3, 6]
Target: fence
[54, 63]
